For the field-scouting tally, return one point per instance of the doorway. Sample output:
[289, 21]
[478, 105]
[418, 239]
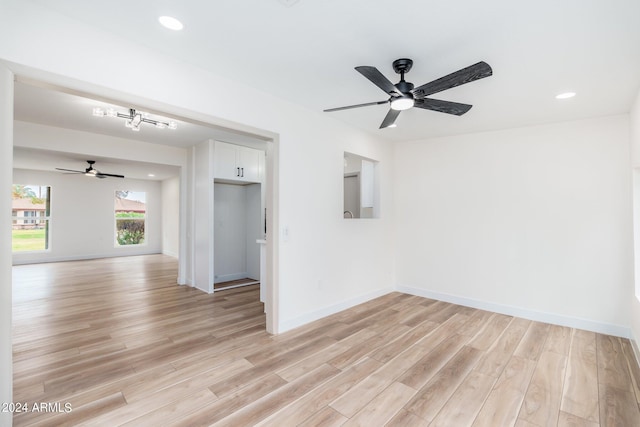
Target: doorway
[237, 217]
[217, 129]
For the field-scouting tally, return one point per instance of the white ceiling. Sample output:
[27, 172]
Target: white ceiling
[46, 160]
[306, 53]
[47, 106]
[52, 107]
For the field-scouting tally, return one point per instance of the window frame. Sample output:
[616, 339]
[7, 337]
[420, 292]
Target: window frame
[33, 221]
[117, 219]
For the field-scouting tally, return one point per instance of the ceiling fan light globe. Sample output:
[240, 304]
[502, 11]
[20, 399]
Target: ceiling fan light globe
[401, 104]
[136, 120]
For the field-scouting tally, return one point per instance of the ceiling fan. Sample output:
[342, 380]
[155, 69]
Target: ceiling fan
[90, 171]
[403, 95]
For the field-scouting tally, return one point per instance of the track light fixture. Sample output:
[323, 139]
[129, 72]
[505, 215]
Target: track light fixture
[134, 119]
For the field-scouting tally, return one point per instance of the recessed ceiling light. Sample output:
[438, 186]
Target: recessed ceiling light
[392, 125]
[566, 95]
[171, 23]
[151, 175]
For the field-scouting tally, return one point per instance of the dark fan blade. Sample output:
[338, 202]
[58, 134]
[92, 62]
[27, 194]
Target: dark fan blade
[69, 170]
[378, 79]
[390, 118]
[355, 106]
[460, 77]
[104, 175]
[442, 106]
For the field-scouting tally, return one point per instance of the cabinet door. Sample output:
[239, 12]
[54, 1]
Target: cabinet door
[225, 165]
[249, 163]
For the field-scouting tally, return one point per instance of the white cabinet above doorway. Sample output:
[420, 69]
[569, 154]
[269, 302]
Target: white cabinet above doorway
[238, 163]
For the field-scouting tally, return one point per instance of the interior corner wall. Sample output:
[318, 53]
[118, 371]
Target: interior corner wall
[82, 222]
[532, 221]
[171, 216]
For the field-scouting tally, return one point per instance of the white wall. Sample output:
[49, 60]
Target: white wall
[171, 216]
[255, 228]
[82, 217]
[635, 163]
[6, 160]
[230, 232]
[202, 214]
[51, 138]
[533, 221]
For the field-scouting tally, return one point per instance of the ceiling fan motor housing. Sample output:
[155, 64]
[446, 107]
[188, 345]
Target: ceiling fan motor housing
[404, 87]
[402, 65]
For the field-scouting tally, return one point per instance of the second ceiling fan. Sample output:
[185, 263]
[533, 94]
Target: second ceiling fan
[403, 95]
[91, 171]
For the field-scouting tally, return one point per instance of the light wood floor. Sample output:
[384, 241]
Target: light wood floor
[124, 345]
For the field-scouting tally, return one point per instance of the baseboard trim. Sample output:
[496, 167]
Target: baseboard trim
[229, 277]
[287, 325]
[539, 316]
[45, 260]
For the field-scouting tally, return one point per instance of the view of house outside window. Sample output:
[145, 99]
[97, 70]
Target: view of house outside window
[30, 211]
[130, 211]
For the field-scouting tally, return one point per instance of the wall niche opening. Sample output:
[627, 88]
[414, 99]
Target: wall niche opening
[360, 187]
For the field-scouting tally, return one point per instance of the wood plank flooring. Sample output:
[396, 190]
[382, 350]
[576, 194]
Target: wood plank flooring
[122, 344]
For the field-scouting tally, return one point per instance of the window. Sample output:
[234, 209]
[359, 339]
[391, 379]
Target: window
[130, 212]
[31, 210]
[28, 214]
